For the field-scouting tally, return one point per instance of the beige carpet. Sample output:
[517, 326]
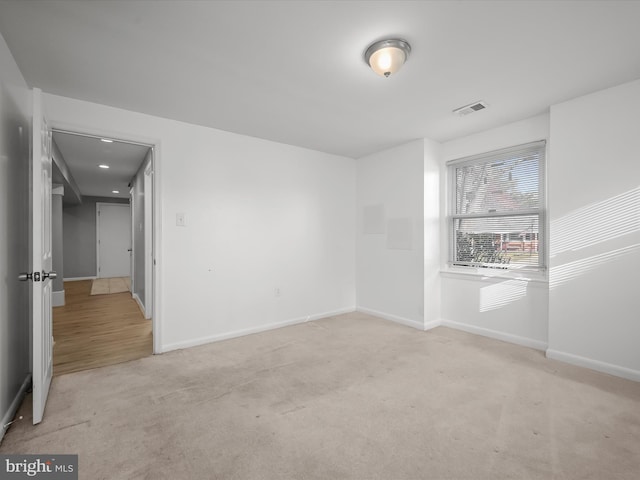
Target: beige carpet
[346, 397]
[104, 286]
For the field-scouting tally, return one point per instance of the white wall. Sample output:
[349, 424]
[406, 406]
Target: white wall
[594, 188]
[506, 308]
[432, 232]
[259, 216]
[390, 272]
[15, 119]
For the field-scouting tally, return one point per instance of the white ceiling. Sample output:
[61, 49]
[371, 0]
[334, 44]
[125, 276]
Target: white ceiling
[293, 72]
[83, 154]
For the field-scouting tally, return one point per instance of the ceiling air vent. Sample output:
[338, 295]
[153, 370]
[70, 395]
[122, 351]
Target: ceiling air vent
[467, 109]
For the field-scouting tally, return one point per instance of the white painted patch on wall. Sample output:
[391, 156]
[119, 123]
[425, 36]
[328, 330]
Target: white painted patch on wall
[373, 219]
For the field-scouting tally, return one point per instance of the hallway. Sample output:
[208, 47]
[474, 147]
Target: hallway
[92, 331]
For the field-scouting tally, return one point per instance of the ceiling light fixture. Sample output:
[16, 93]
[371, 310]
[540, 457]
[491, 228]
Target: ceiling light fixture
[103, 166]
[106, 140]
[115, 191]
[387, 56]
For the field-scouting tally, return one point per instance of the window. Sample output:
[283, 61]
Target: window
[497, 209]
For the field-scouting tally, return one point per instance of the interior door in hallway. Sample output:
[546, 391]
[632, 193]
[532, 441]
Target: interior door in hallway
[113, 222]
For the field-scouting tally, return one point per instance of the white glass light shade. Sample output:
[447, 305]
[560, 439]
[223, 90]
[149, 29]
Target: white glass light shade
[387, 56]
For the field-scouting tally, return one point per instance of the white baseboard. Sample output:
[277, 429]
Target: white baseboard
[597, 365]
[57, 298]
[77, 279]
[248, 331]
[393, 318]
[140, 304]
[498, 335]
[15, 404]
[332, 313]
[432, 324]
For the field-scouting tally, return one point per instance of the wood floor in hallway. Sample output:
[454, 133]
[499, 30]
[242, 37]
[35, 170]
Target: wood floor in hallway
[92, 331]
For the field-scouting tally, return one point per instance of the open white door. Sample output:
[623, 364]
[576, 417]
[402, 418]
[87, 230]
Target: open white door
[41, 275]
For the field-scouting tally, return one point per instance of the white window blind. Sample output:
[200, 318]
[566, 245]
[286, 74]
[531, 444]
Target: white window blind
[497, 209]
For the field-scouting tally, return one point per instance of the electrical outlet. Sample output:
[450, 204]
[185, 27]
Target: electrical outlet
[277, 292]
[180, 222]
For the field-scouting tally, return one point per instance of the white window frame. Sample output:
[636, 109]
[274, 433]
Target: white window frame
[452, 216]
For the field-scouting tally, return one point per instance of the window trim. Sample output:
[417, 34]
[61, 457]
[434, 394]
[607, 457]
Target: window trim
[493, 156]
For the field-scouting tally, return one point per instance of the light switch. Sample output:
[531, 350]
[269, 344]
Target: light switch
[180, 220]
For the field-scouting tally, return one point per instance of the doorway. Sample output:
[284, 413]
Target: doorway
[98, 326]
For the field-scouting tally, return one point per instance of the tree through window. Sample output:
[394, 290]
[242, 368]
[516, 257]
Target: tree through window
[497, 209]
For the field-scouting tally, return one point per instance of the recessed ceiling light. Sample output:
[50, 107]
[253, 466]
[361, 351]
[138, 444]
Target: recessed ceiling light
[103, 166]
[115, 191]
[106, 140]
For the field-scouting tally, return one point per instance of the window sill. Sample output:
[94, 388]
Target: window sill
[487, 274]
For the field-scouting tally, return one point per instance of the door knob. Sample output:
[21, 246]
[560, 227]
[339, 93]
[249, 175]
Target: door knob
[23, 277]
[51, 275]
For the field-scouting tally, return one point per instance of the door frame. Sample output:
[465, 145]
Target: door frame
[156, 195]
[148, 240]
[132, 262]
